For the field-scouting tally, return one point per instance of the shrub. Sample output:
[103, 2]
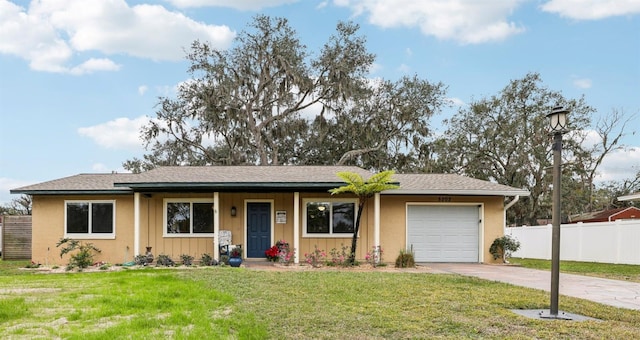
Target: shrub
[187, 260]
[33, 265]
[374, 257]
[83, 258]
[141, 260]
[503, 247]
[405, 259]
[224, 259]
[286, 255]
[340, 257]
[207, 260]
[316, 258]
[165, 260]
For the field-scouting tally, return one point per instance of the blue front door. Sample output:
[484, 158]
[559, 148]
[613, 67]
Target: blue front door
[258, 228]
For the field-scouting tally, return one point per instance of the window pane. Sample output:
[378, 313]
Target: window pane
[77, 217]
[202, 218]
[178, 220]
[318, 217]
[102, 217]
[343, 217]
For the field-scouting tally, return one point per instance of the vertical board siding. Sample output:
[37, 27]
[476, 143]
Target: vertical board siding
[16, 238]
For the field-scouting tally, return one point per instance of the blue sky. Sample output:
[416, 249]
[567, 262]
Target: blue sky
[78, 78]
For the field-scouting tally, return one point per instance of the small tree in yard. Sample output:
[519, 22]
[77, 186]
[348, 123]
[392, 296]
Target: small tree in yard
[363, 190]
[83, 258]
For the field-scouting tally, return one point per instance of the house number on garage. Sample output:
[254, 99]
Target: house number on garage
[444, 199]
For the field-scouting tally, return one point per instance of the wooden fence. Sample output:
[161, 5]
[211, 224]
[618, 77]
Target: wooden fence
[607, 242]
[16, 238]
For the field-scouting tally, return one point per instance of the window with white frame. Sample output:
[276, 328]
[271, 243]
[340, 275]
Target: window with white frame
[90, 219]
[329, 217]
[188, 217]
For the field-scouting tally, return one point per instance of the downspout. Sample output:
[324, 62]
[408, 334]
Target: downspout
[506, 207]
[513, 201]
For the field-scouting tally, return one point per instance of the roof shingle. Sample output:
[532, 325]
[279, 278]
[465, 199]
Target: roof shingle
[261, 177]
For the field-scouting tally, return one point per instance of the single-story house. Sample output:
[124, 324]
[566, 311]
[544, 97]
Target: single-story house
[179, 210]
[610, 215]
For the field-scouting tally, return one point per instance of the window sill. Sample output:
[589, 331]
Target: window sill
[90, 236]
[327, 235]
[207, 235]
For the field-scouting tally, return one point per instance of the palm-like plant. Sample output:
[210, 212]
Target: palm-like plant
[363, 189]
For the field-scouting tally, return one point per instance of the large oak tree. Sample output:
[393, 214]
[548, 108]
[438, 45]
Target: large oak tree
[505, 139]
[269, 100]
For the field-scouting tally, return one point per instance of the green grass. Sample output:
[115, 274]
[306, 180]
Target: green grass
[10, 267]
[624, 272]
[237, 303]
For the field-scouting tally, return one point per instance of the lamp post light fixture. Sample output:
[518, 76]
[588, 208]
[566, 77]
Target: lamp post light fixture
[558, 126]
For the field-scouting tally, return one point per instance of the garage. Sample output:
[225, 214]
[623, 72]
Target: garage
[444, 233]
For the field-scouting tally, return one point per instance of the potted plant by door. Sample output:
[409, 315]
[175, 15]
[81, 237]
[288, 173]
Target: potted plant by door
[235, 256]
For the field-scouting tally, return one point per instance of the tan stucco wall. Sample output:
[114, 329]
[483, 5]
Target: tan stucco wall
[393, 216]
[48, 225]
[48, 229]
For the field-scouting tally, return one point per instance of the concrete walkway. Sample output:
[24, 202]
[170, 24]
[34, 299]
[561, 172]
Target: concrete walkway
[609, 292]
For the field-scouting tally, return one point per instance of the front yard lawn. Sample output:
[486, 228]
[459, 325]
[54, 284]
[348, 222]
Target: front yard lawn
[206, 303]
[624, 272]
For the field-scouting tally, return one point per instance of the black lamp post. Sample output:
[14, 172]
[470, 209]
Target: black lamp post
[558, 125]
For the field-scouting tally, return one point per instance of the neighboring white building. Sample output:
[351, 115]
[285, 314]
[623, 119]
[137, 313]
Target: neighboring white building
[631, 197]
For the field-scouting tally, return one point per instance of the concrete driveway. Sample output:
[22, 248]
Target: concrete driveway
[609, 292]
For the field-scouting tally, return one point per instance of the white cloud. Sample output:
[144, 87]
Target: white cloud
[408, 52]
[591, 138]
[592, 9]
[404, 68]
[582, 83]
[142, 89]
[375, 68]
[94, 64]
[457, 102]
[244, 5]
[619, 165]
[120, 133]
[465, 21]
[99, 167]
[7, 184]
[51, 33]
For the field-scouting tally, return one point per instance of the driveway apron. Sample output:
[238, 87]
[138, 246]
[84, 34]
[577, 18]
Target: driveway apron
[609, 292]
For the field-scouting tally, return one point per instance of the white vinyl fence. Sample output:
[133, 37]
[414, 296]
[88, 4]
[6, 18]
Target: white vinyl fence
[607, 242]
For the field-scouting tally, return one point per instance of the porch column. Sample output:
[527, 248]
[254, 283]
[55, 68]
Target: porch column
[216, 224]
[376, 219]
[136, 224]
[296, 227]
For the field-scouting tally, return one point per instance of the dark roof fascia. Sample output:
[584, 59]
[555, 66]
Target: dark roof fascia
[457, 192]
[226, 186]
[72, 192]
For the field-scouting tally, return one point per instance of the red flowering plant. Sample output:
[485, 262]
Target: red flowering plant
[272, 253]
[279, 252]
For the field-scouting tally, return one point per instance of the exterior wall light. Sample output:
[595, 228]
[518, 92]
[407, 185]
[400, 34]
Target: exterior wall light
[234, 211]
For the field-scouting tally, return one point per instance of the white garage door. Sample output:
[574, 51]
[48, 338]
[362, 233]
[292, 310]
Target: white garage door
[443, 233]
